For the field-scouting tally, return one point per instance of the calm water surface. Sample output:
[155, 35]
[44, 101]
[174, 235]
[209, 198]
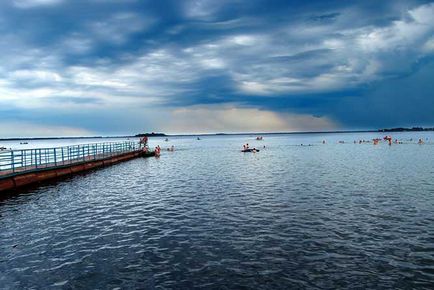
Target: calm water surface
[207, 216]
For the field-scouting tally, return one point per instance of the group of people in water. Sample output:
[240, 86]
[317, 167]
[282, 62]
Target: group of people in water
[157, 150]
[246, 147]
[390, 140]
[387, 139]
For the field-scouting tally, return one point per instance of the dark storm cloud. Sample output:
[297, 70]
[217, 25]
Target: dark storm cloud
[338, 59]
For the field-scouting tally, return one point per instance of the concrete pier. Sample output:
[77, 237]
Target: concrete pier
[89, 157]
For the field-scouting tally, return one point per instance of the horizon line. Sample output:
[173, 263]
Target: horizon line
[218, 134]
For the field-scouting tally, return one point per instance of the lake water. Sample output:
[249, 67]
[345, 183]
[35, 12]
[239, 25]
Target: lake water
[326, 216]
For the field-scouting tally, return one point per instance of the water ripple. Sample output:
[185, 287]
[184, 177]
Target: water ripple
[322, 217]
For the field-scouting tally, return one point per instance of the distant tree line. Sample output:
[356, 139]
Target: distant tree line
[414, 129]
[150, 135]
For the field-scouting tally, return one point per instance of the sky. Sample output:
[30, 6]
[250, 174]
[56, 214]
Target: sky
[114, 67]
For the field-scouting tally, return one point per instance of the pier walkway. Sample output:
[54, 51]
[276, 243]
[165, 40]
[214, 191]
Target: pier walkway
[22, 167]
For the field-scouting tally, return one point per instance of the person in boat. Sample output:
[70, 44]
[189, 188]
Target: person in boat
[247, 146]
[420, 141]
[244, 146]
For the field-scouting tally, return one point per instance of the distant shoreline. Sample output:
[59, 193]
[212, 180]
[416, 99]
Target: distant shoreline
[183, 135]
[414, 129]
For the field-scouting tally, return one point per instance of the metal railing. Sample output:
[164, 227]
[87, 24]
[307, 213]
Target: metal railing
[12, 161]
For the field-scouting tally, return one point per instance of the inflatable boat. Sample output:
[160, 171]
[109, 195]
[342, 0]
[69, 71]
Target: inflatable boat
[250, 150]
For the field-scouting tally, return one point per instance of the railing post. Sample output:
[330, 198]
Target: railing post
[12, 160]
[55, 157]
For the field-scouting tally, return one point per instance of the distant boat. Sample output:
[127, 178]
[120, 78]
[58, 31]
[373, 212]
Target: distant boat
[259, 138]
[167, 139]
[198, 138]
[24, 143]
[3, 148]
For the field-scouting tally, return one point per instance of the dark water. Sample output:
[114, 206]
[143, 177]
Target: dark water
[330, 216]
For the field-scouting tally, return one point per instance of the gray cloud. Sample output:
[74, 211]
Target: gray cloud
[117, 55]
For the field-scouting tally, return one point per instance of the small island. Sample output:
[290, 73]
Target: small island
[153, 134]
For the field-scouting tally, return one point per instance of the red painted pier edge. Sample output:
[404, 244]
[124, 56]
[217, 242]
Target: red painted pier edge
[25, 178]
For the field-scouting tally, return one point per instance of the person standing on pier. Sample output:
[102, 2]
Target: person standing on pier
[144, 141]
